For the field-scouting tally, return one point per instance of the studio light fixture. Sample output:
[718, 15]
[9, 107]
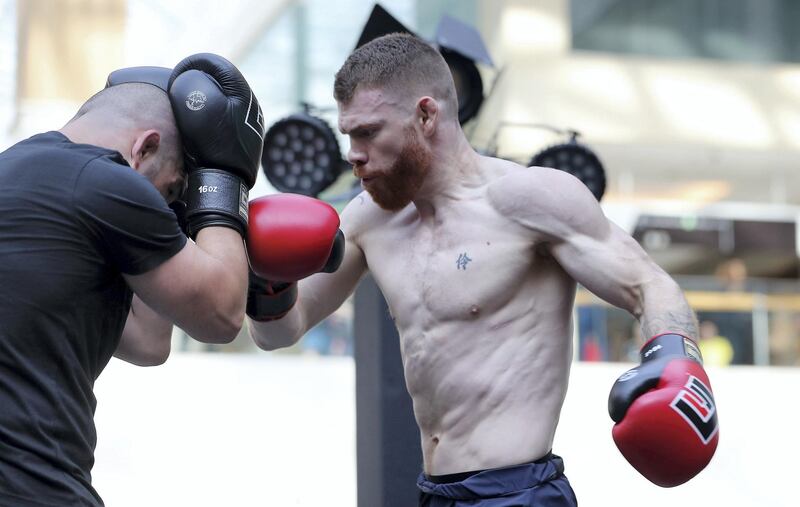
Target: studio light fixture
[301, 152]
[578, 160]
[462, 47]
[569, 156]
[301, 155]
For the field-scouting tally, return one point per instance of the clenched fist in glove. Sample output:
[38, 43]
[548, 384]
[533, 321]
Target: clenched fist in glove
[291, 237]
[665, 414]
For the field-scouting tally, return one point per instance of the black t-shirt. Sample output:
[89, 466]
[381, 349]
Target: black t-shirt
[73, 218]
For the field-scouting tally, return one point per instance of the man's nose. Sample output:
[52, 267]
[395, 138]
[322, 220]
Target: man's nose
[356, 156]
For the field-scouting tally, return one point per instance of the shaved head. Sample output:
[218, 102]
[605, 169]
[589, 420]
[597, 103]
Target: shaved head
[137, 107]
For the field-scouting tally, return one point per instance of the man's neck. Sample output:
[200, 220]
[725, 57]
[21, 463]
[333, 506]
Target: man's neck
[88, 130]
[453, 174]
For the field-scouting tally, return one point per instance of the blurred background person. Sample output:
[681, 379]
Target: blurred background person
[716, 349]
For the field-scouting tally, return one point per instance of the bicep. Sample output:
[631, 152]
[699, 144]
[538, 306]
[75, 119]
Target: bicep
[590, 248]
[608, 262]
[168, 288]
[201, 292]
[125, 216]
[562, 214]
[201, 287]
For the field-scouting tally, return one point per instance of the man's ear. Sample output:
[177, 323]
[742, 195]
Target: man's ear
[428, 115]
[144, 147]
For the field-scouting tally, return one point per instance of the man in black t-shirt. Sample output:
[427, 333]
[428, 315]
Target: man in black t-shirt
[93, 262]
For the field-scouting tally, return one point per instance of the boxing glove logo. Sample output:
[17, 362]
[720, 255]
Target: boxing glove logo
[254, 118]
[196, 100]
[652, 350]
[244, 205]
[695, 403]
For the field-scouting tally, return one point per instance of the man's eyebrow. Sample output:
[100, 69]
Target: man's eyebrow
[360, 126]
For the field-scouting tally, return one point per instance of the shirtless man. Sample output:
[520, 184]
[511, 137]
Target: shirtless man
[478, 259]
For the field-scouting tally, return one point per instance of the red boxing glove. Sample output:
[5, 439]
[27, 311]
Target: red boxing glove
[290, 237]
[665, 414]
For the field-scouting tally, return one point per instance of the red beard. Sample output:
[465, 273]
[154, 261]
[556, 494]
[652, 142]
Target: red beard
[392, 189]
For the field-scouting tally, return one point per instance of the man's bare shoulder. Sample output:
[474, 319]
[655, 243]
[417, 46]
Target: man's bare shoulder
[543, 199]
[362, 214]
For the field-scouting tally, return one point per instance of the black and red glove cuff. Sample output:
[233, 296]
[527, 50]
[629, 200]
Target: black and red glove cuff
[656, 355]
[670, 344]
[268, 300]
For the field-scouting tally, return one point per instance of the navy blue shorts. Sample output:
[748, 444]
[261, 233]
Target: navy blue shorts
[541, 483]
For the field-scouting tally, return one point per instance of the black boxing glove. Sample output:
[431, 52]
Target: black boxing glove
[222, 129]
[268, 300]
[156, 76]
[159, 77]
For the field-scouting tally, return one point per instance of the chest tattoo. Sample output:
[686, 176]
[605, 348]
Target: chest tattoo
[462, 261]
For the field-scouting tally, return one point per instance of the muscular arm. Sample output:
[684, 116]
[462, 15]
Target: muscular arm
[597, 253]
[202, 288]
[146, 338]
[318, 296]
[609, 263]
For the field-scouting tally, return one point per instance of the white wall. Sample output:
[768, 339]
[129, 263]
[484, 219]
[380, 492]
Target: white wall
[227, 431]
[271, 430]
[698, 131]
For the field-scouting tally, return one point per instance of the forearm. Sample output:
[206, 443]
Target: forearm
[224, 280]
[665, 310]
[146, 338]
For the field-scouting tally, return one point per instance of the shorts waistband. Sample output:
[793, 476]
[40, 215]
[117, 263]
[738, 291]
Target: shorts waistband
[461, 476]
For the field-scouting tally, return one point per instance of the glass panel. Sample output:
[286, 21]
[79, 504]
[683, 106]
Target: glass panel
[8, 66]
[784, 338]
[749, 30]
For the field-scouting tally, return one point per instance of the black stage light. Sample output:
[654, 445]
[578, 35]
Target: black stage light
[576, 159]
[380, 23]
[469, 86]
[301, 155]
[460, 45]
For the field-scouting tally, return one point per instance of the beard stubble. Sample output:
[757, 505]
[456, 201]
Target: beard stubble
[394, 188]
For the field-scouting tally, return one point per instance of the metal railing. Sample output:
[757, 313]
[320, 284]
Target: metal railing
[771, 307]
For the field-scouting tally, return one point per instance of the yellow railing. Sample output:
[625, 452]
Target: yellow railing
[719, 301]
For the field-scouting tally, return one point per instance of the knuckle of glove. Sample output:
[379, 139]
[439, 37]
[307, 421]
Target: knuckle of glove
[630, 386]
[291, 237]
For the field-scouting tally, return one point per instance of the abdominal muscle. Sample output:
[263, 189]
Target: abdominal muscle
[487, 391]
[484, 316]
